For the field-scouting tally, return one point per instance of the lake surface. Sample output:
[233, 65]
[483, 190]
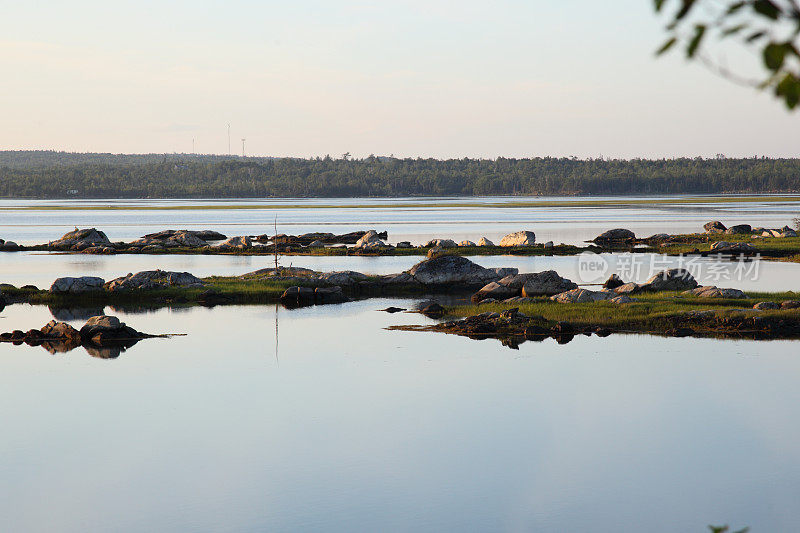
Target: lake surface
[346, 426]
[320, 419]
[38, 221]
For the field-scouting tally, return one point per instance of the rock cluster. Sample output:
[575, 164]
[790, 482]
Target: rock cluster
[77, 285]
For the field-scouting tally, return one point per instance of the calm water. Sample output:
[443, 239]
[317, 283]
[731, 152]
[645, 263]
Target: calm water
[348, 427]
[427, 218]
[319, 419]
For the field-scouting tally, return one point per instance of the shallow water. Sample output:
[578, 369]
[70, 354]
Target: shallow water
[346, 426]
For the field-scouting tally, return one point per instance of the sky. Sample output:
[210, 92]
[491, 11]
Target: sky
[412, 78]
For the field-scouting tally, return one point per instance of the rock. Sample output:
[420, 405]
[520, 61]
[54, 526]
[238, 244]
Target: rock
[680, 332]
[518, 300]
[545, 283]
[622, 299]
[467, 243]
[235, 243]
[519, 238]
[494, 290]
[60, 330]
[485, 242]
[788, 233]
[628, 288]
[404, 244]
[343, 277]
[613, 282]
[449, 269]
[368, 237]
[615, 237]
[80, 237]
[329, 295]
[9, 246]
[153, 279]
[674, 279]
[658, 238]
[714, 227]
[77, 285]
[431, 309]
[440, 243]
[392, 309]
[548, 245]
[580, 296]
[503, 272]
[402, 278]
[100, 329]
[790, 304]
[765, 306]
[316, 244]
[298, 297]
[724, 247]
[435, 252]
[716, 292]
[739, 229]
[203, 235]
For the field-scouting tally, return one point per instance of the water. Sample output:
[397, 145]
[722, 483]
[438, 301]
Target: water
[320, 419]
[28, 222]
[346, 426]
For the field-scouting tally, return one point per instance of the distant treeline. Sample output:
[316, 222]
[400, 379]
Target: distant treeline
[40, 174]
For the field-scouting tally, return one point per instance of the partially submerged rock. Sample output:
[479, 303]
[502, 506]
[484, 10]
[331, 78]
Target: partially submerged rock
[724, 247]
[519, 238]
[615, 237]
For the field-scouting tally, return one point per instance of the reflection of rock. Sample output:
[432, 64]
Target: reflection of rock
[75, 313]
[108, 351]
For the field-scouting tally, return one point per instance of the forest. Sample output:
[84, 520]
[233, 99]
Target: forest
[48, 174]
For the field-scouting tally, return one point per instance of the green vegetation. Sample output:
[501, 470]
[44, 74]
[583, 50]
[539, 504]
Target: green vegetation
[647, 312]
[60, 175]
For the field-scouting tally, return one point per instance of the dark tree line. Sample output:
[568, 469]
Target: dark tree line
[56, 175]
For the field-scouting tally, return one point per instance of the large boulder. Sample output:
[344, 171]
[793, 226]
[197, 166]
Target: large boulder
[368, 237]
[545, 283]
[615, 236]
[674, 279]
[153, 279]
[77, 285]
[714, 227]
[577, 296]
[60, 330]
[613, 282]
[81, 238]
[467, 244]
[451, 269]
[485, 242]
[519, 238]
[739, 229]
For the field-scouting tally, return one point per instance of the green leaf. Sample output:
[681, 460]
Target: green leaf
[666, 46]
[767, 8]
[694, 44]
[789, 90]
[774, 55]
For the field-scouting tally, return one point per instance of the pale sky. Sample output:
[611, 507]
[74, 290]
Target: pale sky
[428, 78]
